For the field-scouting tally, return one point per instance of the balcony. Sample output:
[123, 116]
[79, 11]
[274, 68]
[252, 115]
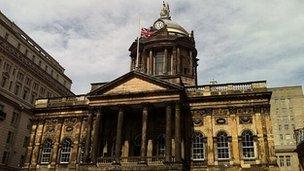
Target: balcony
[228, 88]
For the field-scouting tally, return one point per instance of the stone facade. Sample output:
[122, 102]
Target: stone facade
[156, 117]
[287, 113]
[27, 72]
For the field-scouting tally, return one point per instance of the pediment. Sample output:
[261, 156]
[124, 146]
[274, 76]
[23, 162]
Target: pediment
[134, 82]
[134, 85]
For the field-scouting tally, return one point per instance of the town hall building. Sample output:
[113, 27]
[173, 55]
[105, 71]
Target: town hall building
[156, 117]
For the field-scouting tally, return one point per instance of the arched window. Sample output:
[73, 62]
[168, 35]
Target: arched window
[198, 147]
[223, 151]
[46, 152]
[65, 151]
[248, 145]
[161, 145]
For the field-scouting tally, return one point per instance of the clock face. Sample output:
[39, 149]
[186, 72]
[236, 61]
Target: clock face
[158, 25]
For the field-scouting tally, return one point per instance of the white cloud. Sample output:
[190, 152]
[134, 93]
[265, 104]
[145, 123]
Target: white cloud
[237, 40]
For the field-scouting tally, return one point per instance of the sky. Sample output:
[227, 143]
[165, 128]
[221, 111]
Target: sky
[236, 40]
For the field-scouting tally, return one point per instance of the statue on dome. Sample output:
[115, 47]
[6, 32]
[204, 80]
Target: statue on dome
[165, 11]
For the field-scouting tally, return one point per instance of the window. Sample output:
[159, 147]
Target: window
[25, 94]
[33, 97]
[65, 151]
[223, 151]
[33, 58]
[161, 145]
[5, 157]
[35, 87]
[9, 138]
[159, 63]
[286, 126]
[7, 67]
[42, 91]
[281, 161]
[6, 36]
[20, 76]
[281, 137]
[26, 52]
[280, 127]
[293, 126]
[198, 147]
[18, 46]
[46, 152]
[22, 160]
[3, 82]
[17, 89]
[288, 163]
[15, 119]
[248, 145]
[2, 113]
[287, 137]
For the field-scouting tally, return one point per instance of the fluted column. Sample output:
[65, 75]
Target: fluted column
[168, 134]
[118, 135]
[177, 133]
[96, 136]
[143, 149]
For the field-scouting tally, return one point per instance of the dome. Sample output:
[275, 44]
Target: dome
[173, 27]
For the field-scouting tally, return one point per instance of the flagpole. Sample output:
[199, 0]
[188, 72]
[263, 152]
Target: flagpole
[137, 50]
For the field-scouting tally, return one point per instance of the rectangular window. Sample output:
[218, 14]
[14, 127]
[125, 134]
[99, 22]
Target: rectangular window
[6, 36]
[286, 126]
[15, 119]
[9, 138]
[5, 157]
[159, 63]
[20, 76]
[33, 98]
[3, 82]
[25, 94]
[288, 161]
[35, 87]
[2, 113]
[280, 127]
[287, 136]
[18, 46]
[17, 89]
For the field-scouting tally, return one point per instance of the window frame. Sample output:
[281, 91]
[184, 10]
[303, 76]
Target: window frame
[198, 139]
[65, 152]
[222, 138]
[46, 152]
[248, 144]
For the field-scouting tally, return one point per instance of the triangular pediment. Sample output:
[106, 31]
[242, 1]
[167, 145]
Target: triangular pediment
[134, 85]
[134, 82]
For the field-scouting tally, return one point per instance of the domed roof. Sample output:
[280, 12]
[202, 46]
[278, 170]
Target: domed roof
[173, 27]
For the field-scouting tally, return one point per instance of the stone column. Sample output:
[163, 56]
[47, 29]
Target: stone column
[118, 135]
[143, 149]
[174, 61]
[56, 149]
[165, 66]
[168, 134]
[96, 136]
[31, 145]
[177, 134]
[178, 62]
[88, 139]
[151, 62]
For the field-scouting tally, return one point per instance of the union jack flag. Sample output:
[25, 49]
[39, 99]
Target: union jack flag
[146, 33]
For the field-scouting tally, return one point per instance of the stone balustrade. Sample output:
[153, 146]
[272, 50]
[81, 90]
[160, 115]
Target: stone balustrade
[62, 101]
[228, 88]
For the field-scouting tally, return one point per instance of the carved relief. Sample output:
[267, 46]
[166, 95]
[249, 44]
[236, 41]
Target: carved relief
[221, 120]
[245, 119]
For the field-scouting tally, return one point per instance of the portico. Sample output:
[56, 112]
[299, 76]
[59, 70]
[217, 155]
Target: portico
[144, 128]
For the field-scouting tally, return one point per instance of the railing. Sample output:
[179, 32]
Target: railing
[229, 88]
[133, 160]
[63, 101]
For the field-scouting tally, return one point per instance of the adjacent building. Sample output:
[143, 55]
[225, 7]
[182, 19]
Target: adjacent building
[299, 133]
[156, 117]
[287, 114]
[27, 72]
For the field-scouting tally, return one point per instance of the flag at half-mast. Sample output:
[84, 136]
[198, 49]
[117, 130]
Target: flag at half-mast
[146, 33]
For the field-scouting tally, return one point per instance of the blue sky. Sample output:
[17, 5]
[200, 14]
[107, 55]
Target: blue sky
[237, 40]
